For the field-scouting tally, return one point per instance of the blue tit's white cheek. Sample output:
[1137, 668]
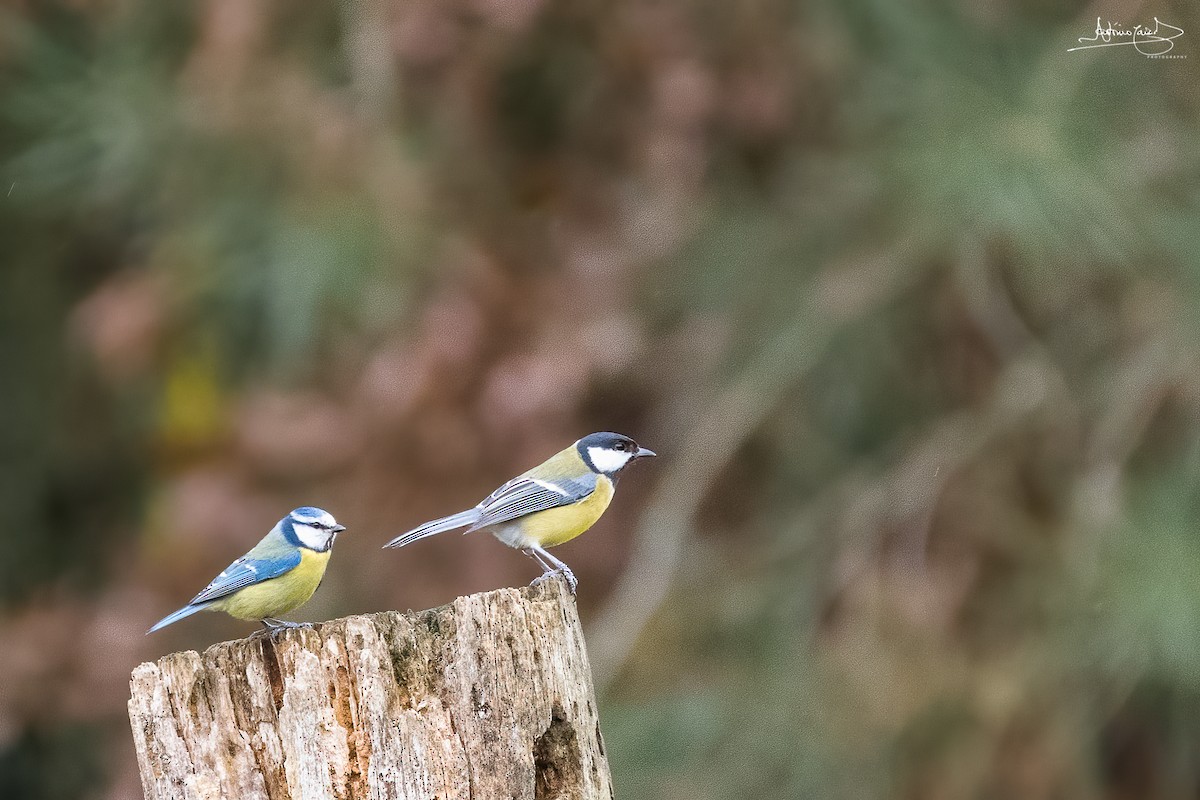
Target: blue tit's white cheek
[607, 460]
[312, 538]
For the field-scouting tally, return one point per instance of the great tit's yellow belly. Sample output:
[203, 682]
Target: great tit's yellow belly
[557, 525]
[278, 595]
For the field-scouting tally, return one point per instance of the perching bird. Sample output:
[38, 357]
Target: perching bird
[550, 504]
[278, 575]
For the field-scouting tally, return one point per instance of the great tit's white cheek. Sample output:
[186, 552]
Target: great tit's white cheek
[607, 460]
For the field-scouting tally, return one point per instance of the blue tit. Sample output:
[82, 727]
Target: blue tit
[550, 504]
[278, 575]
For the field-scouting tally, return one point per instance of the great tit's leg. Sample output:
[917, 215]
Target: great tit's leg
[552, 565]
[548, 569]
[529, 551]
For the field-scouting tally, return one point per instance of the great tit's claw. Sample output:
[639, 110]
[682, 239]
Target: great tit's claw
[566, 574]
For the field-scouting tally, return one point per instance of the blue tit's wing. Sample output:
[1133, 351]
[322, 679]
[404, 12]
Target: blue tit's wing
[528, 495]
[249, 569]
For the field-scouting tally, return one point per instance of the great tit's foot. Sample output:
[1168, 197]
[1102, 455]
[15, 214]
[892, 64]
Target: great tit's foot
[565, 572]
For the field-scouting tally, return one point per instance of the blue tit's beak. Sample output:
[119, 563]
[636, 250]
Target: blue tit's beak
[643, 452]
[338, 528]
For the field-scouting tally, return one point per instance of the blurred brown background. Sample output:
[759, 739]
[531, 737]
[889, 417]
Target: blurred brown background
[907, 299]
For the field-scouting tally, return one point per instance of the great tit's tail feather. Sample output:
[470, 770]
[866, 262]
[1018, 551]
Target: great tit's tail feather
[460, 520]
[186, 611]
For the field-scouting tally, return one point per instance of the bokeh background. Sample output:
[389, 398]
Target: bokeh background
[906, 296]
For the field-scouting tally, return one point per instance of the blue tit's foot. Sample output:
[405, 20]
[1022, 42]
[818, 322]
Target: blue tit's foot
[564, 571]
[272, 625]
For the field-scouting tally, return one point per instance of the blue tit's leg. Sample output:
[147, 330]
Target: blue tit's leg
[265, 630]
[273, 624]
[551, 565]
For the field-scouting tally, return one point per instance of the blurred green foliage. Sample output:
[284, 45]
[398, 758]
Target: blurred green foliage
[905, 294]
[60, 763]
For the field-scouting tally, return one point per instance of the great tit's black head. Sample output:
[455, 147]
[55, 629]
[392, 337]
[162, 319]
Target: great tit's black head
[609, 453]
[312, 527]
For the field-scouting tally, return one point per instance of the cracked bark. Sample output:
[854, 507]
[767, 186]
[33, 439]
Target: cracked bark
[488, 697]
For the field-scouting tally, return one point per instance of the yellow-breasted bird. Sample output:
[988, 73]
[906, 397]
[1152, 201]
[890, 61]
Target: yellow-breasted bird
[550, 504]
[278, 575]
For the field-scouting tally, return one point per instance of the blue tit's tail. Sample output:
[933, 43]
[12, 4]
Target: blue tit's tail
[460, 520]
[186, 611]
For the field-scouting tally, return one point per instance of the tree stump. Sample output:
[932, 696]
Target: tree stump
[488, 697]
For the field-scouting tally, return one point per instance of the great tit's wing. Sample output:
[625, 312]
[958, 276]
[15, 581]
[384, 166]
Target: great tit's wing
[249, 569]
[528, 495]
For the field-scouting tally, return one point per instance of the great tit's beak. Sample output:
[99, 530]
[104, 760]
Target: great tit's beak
[643, 452]
[338, 528]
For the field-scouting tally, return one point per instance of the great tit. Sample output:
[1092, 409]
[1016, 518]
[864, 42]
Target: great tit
[550, 504]
[278, 575]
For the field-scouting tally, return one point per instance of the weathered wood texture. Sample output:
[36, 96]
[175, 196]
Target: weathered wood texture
[488, 697]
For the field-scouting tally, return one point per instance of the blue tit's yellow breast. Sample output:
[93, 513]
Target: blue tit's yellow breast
[557, 525]
[278, 595]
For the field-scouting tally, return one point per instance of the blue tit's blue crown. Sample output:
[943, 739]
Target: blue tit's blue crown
[308, 514]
